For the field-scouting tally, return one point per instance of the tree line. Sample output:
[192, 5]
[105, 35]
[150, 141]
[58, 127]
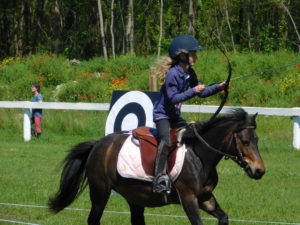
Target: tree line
[84, 29]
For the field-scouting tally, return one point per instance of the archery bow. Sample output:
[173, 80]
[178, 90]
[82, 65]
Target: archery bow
[224, 99]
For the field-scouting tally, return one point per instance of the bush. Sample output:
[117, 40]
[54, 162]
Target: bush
[94, 80]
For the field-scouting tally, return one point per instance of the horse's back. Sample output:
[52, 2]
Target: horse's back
[103, 159]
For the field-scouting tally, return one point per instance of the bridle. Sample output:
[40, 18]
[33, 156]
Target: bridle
[239, 159]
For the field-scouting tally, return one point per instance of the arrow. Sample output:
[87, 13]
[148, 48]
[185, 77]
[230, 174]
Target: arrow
[257, 73]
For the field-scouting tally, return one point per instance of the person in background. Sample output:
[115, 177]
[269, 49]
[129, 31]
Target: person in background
[179, 83]
[37, 114]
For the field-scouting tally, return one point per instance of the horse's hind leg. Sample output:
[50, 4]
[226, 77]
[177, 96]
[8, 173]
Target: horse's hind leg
[209, 204]
[99, 198]
[137, 214]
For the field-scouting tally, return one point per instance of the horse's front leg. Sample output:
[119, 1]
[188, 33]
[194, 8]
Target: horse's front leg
[191, 207]
[209, 204]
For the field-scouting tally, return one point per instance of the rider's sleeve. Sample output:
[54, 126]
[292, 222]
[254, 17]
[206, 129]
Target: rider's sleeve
[173, 84]
[208, 91]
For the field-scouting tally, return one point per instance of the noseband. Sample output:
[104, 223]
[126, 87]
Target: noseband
[237, 158]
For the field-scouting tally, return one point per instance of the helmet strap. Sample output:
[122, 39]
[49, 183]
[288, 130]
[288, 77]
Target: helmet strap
[186, 60]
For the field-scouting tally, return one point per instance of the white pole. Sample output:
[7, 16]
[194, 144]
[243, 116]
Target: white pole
[296, 139]
[27, 125]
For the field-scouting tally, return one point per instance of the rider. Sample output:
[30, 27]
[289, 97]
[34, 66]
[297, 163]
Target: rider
[179, 83]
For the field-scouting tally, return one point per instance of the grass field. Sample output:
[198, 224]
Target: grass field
[30, 173]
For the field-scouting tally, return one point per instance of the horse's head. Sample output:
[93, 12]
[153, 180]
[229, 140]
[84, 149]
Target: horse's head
[232, 136]
[243, 145]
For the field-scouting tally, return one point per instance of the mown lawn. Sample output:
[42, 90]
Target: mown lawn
[30, 173]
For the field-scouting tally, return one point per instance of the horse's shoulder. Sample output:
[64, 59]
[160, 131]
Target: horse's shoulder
[212, 180]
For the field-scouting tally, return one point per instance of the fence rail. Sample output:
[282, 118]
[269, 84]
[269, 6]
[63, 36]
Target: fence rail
[291, 112]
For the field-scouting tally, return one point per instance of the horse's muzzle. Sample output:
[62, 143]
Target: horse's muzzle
[256, 173]
[259, 173]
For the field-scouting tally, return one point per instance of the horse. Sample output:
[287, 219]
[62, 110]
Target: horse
[93, 163]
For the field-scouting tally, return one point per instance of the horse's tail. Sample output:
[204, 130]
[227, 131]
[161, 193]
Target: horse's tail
[73, 177]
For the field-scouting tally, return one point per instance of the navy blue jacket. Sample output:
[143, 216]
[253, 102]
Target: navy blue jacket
[178, 87]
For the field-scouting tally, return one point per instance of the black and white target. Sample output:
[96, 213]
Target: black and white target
[129, 110]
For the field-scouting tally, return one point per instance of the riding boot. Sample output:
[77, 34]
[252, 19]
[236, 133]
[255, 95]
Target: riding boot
[161, 182]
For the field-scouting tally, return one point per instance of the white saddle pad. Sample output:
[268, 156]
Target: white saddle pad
[129, 163]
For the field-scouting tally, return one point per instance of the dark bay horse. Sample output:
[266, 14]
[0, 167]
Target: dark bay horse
[93, 163]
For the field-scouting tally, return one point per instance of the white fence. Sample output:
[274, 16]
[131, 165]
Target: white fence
[291, 112]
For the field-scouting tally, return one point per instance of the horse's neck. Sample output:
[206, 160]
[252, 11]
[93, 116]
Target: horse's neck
[215, 139]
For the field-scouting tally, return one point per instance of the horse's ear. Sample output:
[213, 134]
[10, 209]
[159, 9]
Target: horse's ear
[254, 117]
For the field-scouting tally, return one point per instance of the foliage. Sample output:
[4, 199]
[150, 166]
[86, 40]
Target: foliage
[72, 27]
[277, 88]
[95, 80]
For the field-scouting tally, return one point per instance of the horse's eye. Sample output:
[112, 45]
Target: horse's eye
[246, 143]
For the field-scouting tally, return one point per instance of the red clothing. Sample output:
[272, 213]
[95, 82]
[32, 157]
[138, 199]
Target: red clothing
[37, 122]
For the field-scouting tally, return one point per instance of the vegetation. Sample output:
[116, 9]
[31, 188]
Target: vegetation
[95, 79]
[42, 41]
[30, 173]
[73, 28]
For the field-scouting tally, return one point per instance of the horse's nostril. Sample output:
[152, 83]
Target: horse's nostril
[259, 172]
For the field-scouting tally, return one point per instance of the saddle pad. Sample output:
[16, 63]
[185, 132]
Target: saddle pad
[129, 163]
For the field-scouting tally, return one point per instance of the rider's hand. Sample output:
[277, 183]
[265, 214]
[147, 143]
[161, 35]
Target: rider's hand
[223, 85]
[199, 88]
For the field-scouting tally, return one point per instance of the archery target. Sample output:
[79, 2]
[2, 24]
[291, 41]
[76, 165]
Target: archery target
[130, 110]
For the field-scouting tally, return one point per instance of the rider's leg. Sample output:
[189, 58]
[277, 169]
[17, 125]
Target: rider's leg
[161, 182]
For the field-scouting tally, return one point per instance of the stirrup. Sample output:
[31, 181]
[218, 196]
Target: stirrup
[161, 183]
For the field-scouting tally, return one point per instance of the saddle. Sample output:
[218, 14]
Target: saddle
[148, 147]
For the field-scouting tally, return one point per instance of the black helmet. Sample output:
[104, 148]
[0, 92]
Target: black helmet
[183, 43]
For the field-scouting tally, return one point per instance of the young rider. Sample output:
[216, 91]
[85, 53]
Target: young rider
[180, 83]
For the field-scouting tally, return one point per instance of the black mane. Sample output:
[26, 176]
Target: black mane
[237, 116]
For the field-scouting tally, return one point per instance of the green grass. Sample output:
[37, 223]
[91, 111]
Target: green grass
[30, 174]
[63, 122]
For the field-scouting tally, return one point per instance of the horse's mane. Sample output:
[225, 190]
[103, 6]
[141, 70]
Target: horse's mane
[237, 116]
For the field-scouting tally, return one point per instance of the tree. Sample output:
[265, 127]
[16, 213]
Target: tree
[123, 29]
[130, 27]
[160, 26]
[57, 27]
[191, 18]
[249, 31]
[112, 29]
[229, 25]
[38, 22]
[102, 29]
[78, 28]
[293, 22]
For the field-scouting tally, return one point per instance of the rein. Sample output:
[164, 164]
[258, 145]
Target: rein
[239, 159]
[212, 148]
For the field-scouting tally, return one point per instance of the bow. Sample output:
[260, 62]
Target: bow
[227, 80]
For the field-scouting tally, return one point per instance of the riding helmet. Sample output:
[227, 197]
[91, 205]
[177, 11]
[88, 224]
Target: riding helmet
[183, 44]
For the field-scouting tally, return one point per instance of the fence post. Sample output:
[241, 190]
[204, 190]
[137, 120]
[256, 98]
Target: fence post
[27, 125]
[296, 139]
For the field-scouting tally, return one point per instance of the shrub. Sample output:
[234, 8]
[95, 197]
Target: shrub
[95, 80]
